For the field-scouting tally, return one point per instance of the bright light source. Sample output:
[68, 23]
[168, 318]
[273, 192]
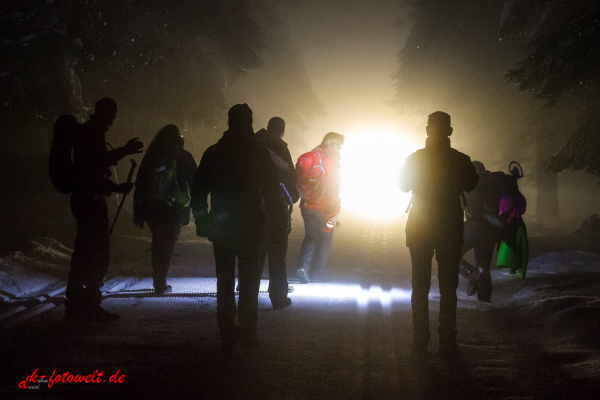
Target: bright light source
[363, 297]
[371, 163]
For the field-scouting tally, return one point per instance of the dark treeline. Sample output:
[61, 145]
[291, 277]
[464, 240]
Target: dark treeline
[521, 77]
[180, 62]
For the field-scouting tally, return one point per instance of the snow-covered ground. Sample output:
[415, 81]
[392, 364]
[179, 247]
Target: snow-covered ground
[350, 338]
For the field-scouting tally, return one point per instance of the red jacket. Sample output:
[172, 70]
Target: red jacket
[319, 181]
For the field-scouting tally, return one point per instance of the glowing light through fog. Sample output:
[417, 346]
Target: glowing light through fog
[371, 162]
[362, 297]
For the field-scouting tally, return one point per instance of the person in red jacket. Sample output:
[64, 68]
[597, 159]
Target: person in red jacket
[318, 173]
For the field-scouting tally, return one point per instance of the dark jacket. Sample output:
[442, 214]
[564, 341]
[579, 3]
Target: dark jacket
[437, 176]
[143, 206]
[92, 160]
[237, 173]
[280, 154]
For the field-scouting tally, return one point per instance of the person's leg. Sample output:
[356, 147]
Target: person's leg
[484, 251]
[100, 255]
[448, 258]
[225, 271]
[323, 248]
[421, 256]
[278, 284]
[165, 233]
[263, 251]
[470, 237]
[90, 260]
[309, 244]
[80, 259]
[249, 287]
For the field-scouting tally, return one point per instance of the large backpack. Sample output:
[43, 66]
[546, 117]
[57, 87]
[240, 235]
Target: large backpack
[495, 186]
[60, 162]
[315, 181]
[163, 180]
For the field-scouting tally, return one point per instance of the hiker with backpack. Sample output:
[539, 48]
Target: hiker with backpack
[437, 176]
[513, 252]
[90, 186]
[161, 198]
[239, 175]
[485, 228]
[272, 140]
[319, 178]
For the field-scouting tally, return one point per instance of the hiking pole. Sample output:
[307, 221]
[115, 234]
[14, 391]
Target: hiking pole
[129, 178]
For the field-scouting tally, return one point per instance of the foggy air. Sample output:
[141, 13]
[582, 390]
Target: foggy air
[315, 199]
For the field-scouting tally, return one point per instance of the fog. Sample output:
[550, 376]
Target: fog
[520, 81]
[372, 72]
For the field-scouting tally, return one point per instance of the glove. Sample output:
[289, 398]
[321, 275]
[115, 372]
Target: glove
[133, 146]
[123, 188]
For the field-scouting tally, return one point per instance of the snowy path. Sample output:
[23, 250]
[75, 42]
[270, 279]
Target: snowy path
[349, 339]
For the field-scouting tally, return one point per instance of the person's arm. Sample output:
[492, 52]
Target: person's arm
[199, 191]
[406, 176]
[470, 176]
[290, 178]
[133, 146]
[270, 191]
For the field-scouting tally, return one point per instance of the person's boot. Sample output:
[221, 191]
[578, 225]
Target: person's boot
[474, 282]
[160, 290]
[466, 269]
[279, 304]
[303, 276]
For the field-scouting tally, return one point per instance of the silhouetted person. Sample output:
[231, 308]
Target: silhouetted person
[91, 255]
[483, 231]
[272, 140]
[437, 176]
[162, 198]
[238, 174]
[319, 177]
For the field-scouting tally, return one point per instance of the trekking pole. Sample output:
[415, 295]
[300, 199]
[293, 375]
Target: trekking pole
[129, 178]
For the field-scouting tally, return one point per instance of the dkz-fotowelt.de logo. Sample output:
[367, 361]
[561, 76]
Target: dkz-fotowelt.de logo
[35, 381]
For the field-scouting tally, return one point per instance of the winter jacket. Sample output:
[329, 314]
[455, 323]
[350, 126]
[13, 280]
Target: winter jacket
[92, 160]
[237, 173]
[319, 178]
[437, 176]
[280, 154]
[144, 205]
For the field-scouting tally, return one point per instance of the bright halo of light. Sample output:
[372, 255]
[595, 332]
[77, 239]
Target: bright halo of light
[371, 163]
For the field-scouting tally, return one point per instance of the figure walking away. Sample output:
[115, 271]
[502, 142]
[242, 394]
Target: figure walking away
[319, 175]
[238, 174]
[162, 198]
[272, 140]
[437, 176]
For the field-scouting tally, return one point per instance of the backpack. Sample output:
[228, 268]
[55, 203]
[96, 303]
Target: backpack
[496, 186]
[315, 177]
[60, 162]
[163, 180]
